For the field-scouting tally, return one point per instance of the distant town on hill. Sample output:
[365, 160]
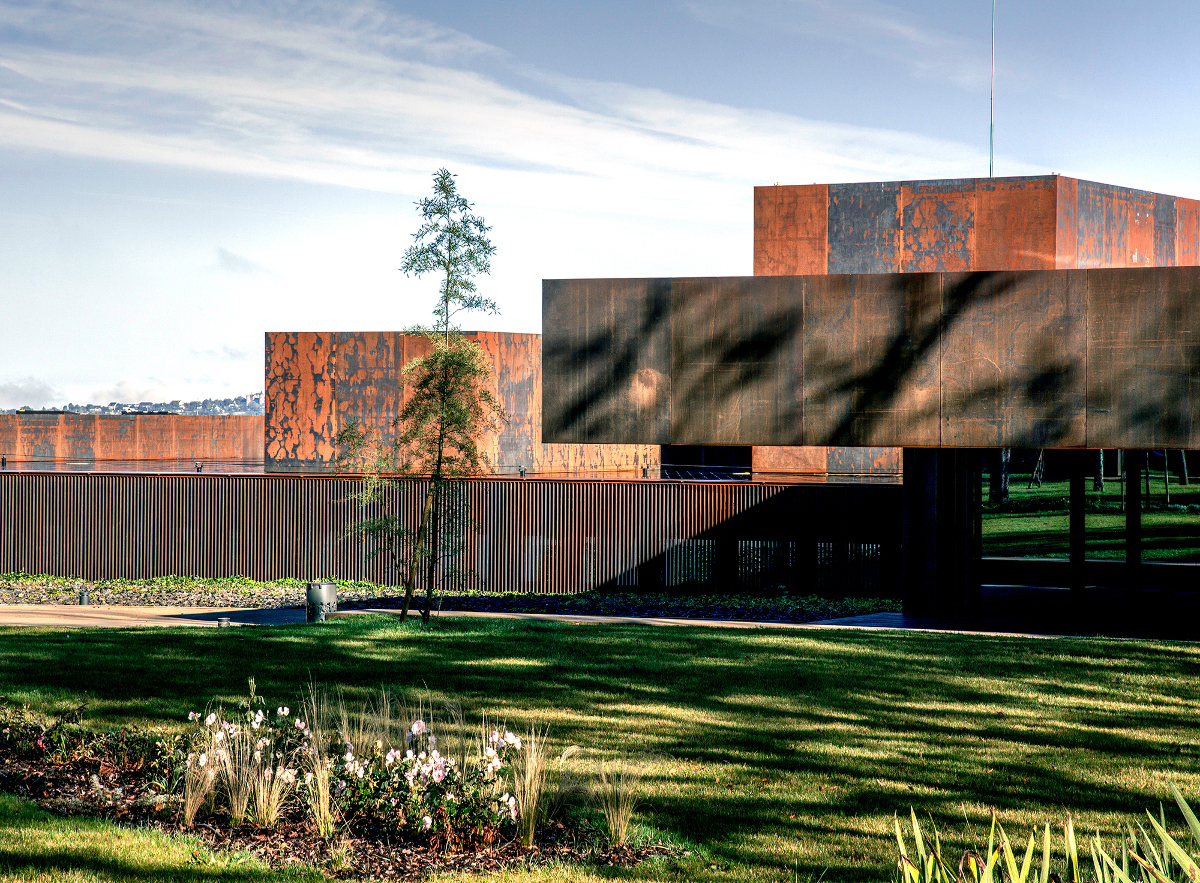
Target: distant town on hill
[248, 404]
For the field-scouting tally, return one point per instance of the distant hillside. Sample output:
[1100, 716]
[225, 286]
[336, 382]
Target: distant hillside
[248, 404]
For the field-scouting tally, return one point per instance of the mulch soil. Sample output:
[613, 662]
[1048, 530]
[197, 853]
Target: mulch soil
[127, 797]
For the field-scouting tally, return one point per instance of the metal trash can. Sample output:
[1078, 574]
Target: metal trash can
[320, 601]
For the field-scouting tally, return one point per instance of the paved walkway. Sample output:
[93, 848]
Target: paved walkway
[75, 616]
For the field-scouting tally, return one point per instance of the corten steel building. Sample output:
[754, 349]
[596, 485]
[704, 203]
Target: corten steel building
[943, 317]
[1048, 222]
[42, 440]
[317, 382]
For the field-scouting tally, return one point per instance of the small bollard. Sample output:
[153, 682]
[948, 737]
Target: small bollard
[222, 622]
[320, 601]
[85, 599]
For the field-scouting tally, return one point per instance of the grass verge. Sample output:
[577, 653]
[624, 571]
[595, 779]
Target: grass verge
[40, 848]
[1034, 523]
[778, 755]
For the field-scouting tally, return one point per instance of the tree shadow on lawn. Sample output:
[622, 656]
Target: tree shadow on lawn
[882, 720]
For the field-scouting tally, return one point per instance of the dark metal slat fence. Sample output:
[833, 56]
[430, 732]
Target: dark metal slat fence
[525, 536]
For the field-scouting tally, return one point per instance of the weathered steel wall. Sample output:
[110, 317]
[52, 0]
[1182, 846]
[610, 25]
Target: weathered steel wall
[1036, 223]
[532, 535]
[26, 437]
[1052, 358]
[1046, 222]
[317, 382]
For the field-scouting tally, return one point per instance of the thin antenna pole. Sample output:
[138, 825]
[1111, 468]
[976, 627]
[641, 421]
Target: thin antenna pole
[992, 101]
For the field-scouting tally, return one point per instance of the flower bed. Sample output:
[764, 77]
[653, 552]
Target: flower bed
[295, 787]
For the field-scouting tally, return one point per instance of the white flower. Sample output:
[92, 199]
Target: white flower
[193, 715]
[299, 724]
[307, 778]
[495, 736]
[408, 755]
[255, 724]
[516, 742]
[211, 719]
[283, 711]
[349, 757]
[489, 752]
[509, 737]
[427, 822]
[418, 728]
[218, 736]
[203, 759]
[257, 756]
[421, 756]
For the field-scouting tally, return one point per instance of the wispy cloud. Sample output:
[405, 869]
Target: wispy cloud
[28, 392]
[128, 391]
[881, 29]
[363, 97]
[235, 263]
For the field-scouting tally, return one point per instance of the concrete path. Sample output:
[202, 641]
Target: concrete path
[75, 616]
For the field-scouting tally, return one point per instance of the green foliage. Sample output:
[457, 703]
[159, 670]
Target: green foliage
[448, 405]
[63, 738]
[1167, 862]
[454, 242]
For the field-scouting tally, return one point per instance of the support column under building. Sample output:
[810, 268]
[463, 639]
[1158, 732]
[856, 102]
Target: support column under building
[1077, 530]
[1135, 462]
[943, 532]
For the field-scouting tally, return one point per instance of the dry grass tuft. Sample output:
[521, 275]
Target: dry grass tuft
[617, 796]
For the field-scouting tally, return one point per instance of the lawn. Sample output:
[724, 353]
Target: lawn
[772, 755]
[41, 848]
[1034, 523]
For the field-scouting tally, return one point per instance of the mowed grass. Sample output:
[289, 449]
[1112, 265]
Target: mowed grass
[774, 755]
[41, 848]
[1034, 524]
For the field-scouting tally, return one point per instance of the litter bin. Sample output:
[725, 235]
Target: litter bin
[321, 601]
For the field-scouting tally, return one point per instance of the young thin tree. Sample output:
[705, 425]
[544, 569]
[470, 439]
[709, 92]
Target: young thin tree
[449, 406]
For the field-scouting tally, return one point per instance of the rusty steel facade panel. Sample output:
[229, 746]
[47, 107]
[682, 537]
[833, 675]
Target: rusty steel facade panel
[714, 319]
[1012, 363]
[1052, 358]
[65, 436]
[958, 225]
[1143, 364]
[623, 387]
[791, 233]
[543, 536]
[317, 382]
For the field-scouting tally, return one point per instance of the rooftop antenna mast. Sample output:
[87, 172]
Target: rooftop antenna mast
[992, 100]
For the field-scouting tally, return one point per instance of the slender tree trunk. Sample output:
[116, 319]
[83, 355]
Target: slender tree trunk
[998, 486]
[1166, 480]
[1121, 475]
[410, 582]
[1098, 484]
[434, 555]
[435, 482]
[1183, 468]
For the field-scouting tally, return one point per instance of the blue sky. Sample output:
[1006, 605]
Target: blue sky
[177, 178]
